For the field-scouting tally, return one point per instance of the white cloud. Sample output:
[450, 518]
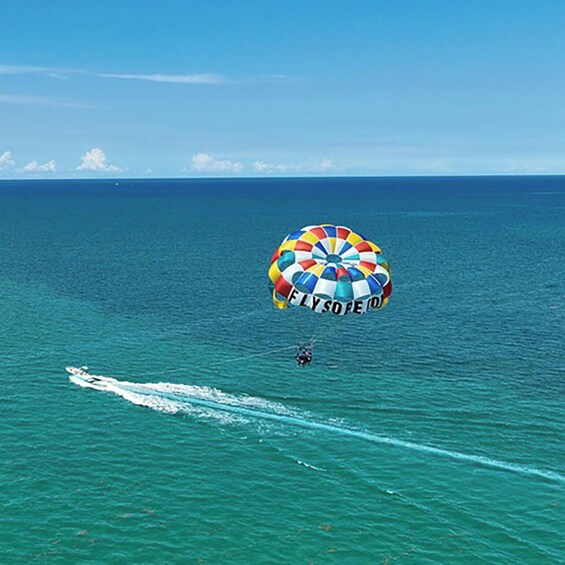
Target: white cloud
[185, 78]
[262, 167]
[26, 100]
[196, 78]
[531, 166]
[30, 70]
[96, 160]
[35, 167]
[280, 77]
[266, 168]
[326, 165]
[205, 163]
[205, 78]
[6, 161]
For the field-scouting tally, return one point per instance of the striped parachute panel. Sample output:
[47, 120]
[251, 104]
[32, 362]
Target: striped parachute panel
[329, 268]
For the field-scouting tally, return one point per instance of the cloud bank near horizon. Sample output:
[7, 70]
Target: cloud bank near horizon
[95, 160]
[96, 163]
[35, 167]
[207, 163]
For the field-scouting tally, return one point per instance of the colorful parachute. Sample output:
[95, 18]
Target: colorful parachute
[329, 268]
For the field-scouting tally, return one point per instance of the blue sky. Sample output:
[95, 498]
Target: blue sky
[261, 88]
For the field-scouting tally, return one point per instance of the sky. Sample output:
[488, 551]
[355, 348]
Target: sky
[179, 88]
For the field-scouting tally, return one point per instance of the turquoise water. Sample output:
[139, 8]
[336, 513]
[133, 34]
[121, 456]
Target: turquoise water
[430, 432]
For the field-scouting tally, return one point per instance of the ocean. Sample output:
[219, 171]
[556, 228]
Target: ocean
[430, 432]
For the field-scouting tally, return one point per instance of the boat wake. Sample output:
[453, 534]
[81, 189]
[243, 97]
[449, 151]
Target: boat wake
[205, 402]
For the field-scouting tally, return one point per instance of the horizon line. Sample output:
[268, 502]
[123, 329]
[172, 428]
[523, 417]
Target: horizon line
[280, 177]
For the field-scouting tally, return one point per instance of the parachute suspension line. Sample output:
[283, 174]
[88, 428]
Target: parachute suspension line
[298, 315]
[286, 348]
[233, 360]
[305, 329]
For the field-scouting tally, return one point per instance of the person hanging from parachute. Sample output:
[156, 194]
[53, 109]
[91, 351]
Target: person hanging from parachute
[328, 268]
[304, 354]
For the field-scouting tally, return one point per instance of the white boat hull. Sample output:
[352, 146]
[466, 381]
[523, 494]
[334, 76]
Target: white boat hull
[83, 378]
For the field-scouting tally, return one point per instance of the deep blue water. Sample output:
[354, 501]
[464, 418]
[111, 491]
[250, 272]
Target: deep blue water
[428, 432]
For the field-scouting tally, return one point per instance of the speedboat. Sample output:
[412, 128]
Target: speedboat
[83, 374]
[77, 371]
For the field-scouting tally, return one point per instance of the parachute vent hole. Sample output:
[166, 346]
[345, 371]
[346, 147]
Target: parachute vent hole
[333, 258]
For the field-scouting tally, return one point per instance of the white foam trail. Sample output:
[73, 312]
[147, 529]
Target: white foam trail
[308, 466]
[213, 403]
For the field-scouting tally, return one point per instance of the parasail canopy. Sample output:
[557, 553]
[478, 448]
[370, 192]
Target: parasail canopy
[329, 268]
